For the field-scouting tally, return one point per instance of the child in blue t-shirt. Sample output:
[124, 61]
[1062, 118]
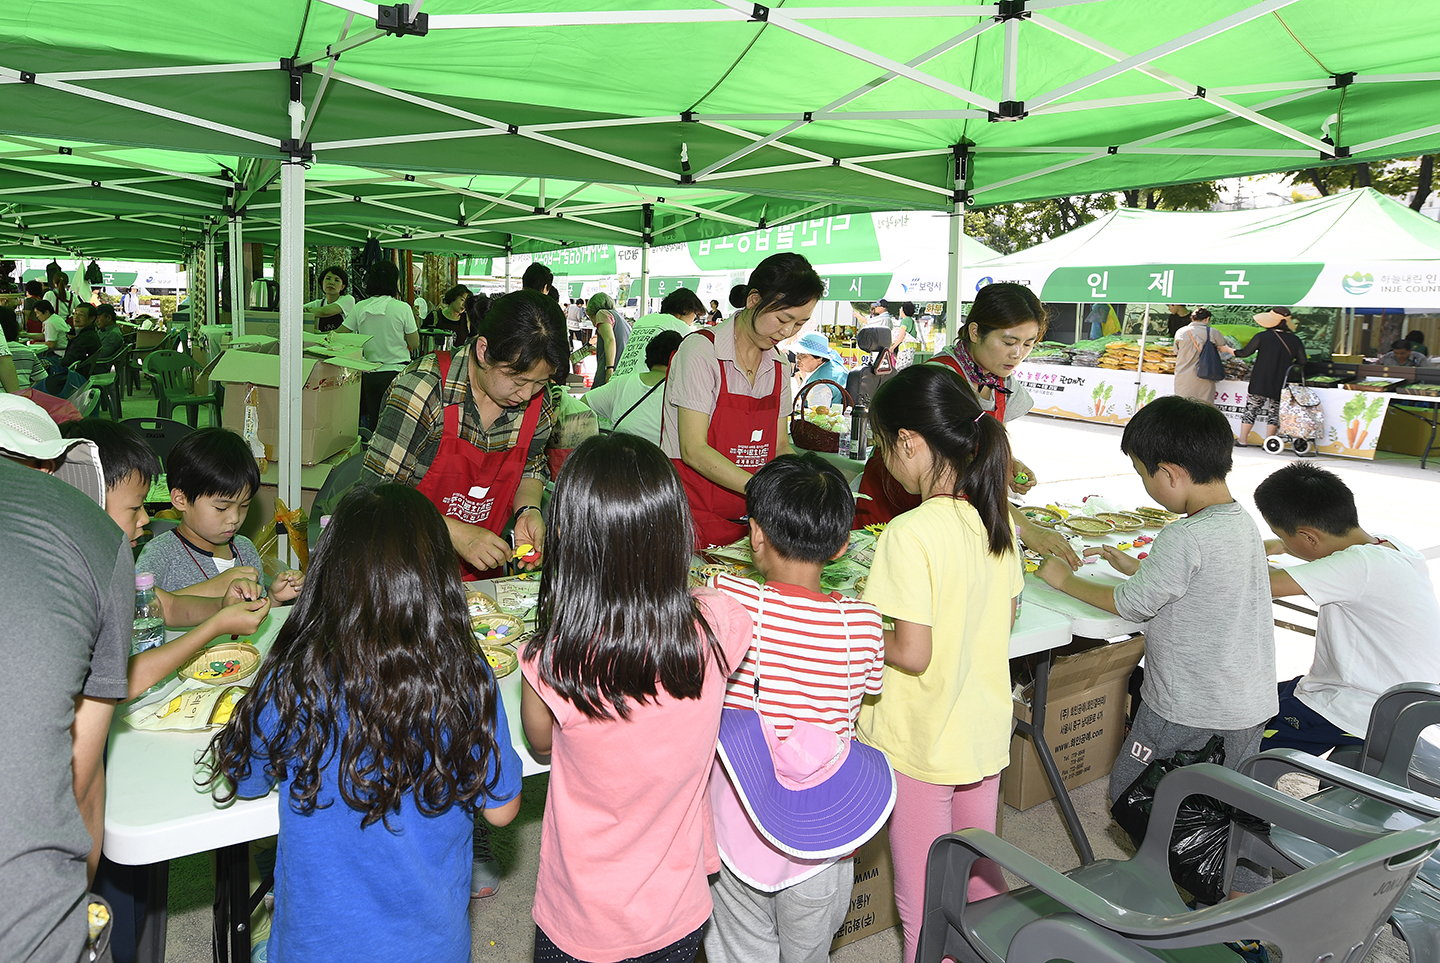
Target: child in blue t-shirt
[212, 477]
[386, 734]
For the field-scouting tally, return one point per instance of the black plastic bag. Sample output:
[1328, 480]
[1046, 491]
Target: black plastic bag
[1202, 823]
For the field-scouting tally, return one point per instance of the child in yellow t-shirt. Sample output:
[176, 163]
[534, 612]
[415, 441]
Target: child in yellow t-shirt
[947, 573]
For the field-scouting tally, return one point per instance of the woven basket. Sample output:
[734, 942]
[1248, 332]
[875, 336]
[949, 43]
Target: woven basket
[222, 664]
[809, 436]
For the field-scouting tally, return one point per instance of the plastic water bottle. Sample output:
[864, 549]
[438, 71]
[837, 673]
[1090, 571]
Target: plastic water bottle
[149, 620]
[844, 439]
[858, 424]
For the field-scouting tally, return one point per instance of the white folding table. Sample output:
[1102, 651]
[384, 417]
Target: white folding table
[155, 811]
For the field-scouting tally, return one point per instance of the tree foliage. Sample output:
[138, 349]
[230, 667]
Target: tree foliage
[1013, 227]
[1408, 177]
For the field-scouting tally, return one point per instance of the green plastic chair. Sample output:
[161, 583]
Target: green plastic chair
[1387, 795]
[173, 375]
[1129, 911]
[108, 374]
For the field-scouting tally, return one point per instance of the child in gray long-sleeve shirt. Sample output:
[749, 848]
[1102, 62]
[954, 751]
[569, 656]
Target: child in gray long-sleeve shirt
[1204, 589]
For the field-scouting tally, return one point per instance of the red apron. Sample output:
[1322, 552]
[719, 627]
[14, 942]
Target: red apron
[477, 487]
[743, 429]
[887, 497]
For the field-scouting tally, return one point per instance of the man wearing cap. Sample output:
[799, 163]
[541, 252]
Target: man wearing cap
[816, 361]
[68, 596]
[1278, 349]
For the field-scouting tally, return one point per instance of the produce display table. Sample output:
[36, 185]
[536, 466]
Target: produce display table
[1353, 419]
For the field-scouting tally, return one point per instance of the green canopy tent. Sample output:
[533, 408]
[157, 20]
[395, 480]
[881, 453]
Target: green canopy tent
[1349, 250]
[112, 202]
[878, 105]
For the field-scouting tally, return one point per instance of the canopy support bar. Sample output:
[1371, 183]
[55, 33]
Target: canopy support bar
[291, 271]
[236, 272]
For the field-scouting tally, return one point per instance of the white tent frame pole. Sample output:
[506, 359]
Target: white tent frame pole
[627, 17]
[68, 76]
[784, 21]
[508, 247]
[292, 272]
[1153, 138]
[44, 80]
[211, 315]
[1138, 61]
[952, 281]
[236, 275]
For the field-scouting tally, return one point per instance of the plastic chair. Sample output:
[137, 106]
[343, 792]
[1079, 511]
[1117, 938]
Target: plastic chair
[136, 367]
[107, 374]
[173, 375]
[161, 434]
[1130, 911]
[1387, 796]
[86, 399]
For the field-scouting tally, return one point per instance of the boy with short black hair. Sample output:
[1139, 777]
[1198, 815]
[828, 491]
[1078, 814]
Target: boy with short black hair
[212, 477]
[1204, 589]
[813, 658]
[1379, 622]
[130, 465]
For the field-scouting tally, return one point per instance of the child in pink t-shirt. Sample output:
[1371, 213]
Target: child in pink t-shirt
[624, 681]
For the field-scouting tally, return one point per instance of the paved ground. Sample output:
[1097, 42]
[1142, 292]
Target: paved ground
[1395, 496]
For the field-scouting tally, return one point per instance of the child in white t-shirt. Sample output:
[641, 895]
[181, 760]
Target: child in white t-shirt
[1379, 621]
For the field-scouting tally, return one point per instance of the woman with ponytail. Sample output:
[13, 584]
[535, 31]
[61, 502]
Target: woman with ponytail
[947, 573]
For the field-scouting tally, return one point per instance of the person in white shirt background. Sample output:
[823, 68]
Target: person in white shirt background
[336, 304]
[635, 403]
[394, 335]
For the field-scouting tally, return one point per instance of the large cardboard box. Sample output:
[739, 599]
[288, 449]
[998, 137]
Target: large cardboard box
[329, 396]
[1084, 722]
[872, 901]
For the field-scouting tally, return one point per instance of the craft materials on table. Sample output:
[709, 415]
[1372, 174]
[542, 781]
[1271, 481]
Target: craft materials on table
[205, 706]
[518, 594]
[222, 664]
[846, 574]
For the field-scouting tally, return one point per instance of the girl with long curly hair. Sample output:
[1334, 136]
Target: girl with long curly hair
[384, 730]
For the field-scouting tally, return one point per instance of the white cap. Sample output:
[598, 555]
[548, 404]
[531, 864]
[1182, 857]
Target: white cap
[144, 580]
[28, 431]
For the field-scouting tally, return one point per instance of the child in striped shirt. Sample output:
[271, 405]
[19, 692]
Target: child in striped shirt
[813, 657]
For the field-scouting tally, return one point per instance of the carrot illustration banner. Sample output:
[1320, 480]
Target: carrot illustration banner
[1352, 419]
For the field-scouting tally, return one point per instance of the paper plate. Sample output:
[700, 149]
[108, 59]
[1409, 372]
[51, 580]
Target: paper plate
[222, 664]
[502, 660]
[497, 628]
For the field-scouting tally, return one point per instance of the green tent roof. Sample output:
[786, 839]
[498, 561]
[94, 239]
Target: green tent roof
[865, 105]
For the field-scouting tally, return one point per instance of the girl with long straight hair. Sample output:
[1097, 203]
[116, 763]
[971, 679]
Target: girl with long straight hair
[624, 680]
[947, 573]
[386, 735]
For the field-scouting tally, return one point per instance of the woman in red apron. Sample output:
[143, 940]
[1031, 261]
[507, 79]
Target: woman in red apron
[519, 346]
[1000, 331]
[727, 396]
